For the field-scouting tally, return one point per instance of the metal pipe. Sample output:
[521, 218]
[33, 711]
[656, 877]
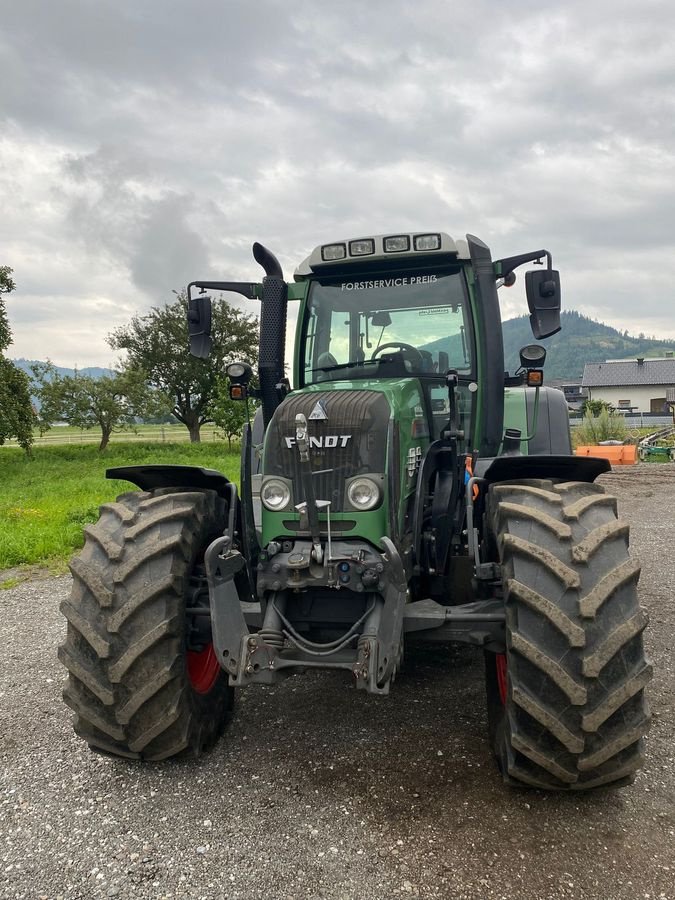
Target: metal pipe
[272, 330]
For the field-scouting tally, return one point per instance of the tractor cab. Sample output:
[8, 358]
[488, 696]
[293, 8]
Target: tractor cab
[413, 326]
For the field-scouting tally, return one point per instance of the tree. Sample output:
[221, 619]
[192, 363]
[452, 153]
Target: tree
[112, 402]
[16, 410]
[6, 287]
[158, 343]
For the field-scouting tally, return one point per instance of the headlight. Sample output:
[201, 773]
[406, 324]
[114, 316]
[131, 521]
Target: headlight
[364, 493]
[275, 494]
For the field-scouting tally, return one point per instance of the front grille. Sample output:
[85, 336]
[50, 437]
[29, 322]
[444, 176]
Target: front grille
[336, 525]
[351, 441]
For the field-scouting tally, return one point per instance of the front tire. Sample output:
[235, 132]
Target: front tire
[135, 687]
[566, 704]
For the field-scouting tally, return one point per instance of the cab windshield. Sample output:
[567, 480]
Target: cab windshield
[414, 325]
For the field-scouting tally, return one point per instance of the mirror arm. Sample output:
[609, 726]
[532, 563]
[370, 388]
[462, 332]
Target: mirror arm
[248, 289]
[509, 263]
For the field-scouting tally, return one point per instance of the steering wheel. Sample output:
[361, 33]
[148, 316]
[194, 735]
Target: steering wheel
[412, 353]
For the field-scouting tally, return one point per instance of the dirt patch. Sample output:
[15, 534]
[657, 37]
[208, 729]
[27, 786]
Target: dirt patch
[18, 574]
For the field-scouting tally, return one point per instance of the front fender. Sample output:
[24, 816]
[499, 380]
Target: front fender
[149, 478]
[565, 468]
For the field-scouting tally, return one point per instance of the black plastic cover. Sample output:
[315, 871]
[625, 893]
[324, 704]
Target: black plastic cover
[148, 478]
[566, 468]
[272, 342]
[199, 325]
[553, 422]
[543, 299]
[490, 349]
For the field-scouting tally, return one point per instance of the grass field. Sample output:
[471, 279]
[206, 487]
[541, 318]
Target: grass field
[67, 434]
[48, 498]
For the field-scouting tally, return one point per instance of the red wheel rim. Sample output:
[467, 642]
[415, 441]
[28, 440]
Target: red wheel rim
[203, 669]
[501, 664]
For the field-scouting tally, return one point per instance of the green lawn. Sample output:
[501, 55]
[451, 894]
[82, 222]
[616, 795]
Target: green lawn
[68, 434]
[47, 499]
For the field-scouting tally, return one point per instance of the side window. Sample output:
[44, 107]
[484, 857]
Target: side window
[310, 341]
[440, 409]
[339, 336]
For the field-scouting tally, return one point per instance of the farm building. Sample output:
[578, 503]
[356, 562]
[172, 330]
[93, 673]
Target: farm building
[636, 385]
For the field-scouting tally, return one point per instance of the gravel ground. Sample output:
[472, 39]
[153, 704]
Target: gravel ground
[318, 791]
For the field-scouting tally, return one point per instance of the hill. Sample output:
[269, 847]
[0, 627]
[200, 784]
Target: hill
[580, 340]
[25, 364]
[93, 371]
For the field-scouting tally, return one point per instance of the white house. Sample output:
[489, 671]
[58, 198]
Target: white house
[638, 385]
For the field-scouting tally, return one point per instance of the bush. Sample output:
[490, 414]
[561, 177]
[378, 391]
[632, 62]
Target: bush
[603, 427]
[595, 407]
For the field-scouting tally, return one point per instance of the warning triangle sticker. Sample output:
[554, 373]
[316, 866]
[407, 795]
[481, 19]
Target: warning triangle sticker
[319, 411]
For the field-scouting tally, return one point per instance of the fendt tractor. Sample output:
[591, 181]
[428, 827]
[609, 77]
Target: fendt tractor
[404, 489]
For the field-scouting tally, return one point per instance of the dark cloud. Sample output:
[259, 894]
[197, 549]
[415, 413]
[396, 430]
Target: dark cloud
[147, 144]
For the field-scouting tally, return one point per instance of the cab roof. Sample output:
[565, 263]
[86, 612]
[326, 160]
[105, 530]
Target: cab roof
[376, 248]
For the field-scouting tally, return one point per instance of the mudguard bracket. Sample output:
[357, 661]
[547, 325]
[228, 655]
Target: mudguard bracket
[228, 625]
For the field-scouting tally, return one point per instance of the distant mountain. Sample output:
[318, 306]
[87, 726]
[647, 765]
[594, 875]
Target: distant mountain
[25, 364]
[93, 371]
[580, 340]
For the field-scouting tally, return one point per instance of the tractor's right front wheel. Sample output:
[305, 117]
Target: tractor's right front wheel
[566, 705]
[140, 682]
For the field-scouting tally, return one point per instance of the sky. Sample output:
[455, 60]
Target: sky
[146, 144]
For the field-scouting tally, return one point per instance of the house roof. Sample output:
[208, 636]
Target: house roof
[621, 373]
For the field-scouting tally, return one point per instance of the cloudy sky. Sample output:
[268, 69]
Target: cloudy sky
[148, 143]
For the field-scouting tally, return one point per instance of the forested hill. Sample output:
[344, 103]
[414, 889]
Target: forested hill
[580, 340]
[94, 371]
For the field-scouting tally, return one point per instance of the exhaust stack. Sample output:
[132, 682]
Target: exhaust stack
[272, 330]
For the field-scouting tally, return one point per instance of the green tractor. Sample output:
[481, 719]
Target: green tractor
[405, 489]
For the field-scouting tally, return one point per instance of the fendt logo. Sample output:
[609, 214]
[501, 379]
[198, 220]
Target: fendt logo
[326, 440]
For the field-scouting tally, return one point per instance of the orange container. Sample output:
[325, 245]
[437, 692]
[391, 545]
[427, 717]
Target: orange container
[617, 454]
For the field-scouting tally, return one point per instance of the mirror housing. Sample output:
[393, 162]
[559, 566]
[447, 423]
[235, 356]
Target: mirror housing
[543, 300]
[199, 325]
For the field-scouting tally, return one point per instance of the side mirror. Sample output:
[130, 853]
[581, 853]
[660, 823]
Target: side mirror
[543, 300]
[199, 325]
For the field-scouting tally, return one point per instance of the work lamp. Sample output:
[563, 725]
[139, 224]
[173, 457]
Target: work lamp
[396, 243]
[362, 248]
[330, 252]
[427, 241]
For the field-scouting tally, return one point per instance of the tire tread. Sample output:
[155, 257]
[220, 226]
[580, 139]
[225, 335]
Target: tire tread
[125, 643]
[576, 713]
